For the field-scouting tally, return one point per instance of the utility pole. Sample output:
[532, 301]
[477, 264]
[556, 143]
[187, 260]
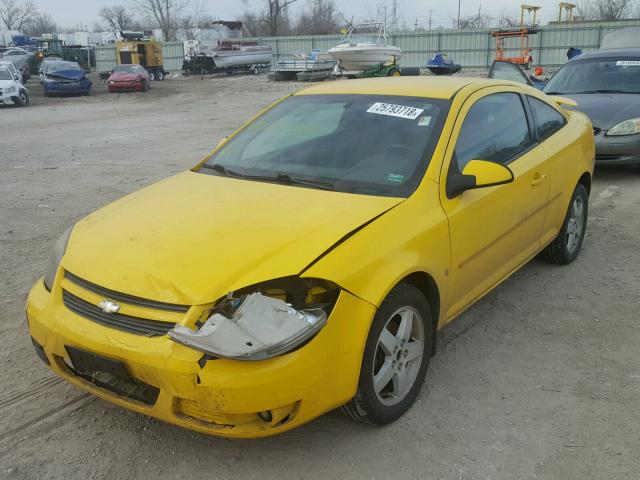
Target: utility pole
[430, 12]
[395, 15]
[415, 27]
[458, 14]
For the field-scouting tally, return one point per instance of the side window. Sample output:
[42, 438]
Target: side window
[495, 129]
[548, 120]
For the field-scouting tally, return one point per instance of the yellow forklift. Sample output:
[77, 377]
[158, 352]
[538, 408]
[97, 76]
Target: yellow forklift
[139, 48]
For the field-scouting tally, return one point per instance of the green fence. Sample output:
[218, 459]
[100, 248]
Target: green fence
[473, 48]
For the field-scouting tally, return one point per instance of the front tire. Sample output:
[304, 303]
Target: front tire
[566, 246]
[396, 357]
[22, 100]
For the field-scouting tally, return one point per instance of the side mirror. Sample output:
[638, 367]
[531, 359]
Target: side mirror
[478, 174]
[16, 77]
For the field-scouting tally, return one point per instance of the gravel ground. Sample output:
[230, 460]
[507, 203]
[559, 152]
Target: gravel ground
[539, 380]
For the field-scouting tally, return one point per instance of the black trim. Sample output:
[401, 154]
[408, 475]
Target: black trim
[40, 352]
[123, 297]
[118, 321]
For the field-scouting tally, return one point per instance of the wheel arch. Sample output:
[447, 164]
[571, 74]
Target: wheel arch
[585, 180]
[429, 288]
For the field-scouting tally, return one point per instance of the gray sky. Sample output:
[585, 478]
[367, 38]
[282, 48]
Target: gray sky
[69, 13]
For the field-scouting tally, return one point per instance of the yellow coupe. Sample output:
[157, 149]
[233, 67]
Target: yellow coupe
[309, 261]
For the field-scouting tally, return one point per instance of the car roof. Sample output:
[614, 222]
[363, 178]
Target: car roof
[412, 86]
[612, 52]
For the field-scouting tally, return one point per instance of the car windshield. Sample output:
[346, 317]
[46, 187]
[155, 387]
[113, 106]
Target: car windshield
[61, 67]
[127, 69]
[5, 74]
[597, 75]
[369, 144]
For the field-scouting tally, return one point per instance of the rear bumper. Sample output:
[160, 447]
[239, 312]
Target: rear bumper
[223, 397]
[623, 150]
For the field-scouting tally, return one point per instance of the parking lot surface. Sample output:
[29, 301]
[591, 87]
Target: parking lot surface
[539, 380]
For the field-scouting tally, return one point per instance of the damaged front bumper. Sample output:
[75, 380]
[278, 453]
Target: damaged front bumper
[224, 397]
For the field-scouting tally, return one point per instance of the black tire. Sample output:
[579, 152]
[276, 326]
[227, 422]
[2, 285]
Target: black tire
[366, 406]
[22, 100]
[159, 75]
[559, 250]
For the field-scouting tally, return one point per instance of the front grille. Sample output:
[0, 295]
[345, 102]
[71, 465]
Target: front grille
[123, 297]
[126, 323]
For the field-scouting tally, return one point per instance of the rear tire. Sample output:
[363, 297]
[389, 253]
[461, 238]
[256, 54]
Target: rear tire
[396, 357]
[566, 246]
[159, 75]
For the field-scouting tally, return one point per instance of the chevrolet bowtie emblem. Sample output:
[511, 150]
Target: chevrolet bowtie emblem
[108, 306]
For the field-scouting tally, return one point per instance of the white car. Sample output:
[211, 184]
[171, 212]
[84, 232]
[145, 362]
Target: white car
[11, 89]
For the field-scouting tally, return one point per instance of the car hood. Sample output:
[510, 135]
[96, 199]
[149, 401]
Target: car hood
[122, 76]
[66, 75]
[194, 237]
[607, 109]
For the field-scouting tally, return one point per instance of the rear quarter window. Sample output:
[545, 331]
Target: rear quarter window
[547, 119]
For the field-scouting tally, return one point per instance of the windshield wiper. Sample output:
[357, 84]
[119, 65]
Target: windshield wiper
[282, 178]
[289, 180]
[224, 170]
[604, 91]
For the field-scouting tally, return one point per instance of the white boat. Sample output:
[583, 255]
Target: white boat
[360, 48]
[232, 51]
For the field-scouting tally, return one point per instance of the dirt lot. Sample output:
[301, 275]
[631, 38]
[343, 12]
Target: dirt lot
[541, 379]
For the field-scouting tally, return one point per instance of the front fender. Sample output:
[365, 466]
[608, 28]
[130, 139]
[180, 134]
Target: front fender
[412, 237]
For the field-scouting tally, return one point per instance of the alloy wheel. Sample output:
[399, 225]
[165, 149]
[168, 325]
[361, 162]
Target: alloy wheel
[398, 356]
[575, 226]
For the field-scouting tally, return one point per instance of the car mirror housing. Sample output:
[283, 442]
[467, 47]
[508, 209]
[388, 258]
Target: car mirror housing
[478, 174]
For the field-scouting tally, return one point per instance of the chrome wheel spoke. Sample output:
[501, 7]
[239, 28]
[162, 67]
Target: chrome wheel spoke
[387, 341]
[383, 377]
[406, 325]
[414, 350]
[400, 384]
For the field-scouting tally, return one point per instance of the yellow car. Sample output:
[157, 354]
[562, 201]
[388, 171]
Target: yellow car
[309, 261]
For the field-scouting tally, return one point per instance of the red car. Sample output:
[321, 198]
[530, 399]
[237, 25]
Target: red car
[125, 78]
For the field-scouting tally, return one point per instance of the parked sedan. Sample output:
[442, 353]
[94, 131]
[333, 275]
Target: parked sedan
[126, 78]
[11, 89]
[606, 86]
[61, 78]
[309, 261]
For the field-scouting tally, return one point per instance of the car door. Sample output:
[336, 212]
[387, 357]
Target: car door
[495, 229]
[501, 70]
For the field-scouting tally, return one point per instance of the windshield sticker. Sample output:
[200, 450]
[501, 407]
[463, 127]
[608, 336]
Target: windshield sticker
[424, 121]
[628, 63]
[394, 177]
[400, 111]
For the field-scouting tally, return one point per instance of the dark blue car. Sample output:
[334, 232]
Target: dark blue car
[60, 78]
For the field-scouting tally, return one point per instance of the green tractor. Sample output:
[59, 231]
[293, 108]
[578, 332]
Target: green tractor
[52, 47]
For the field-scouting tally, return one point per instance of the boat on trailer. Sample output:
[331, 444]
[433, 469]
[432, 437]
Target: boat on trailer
[364, 46]
[233, 52]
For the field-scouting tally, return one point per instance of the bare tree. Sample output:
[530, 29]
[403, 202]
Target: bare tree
[43, 23]
[605, 9]
[320, 17]
[116, 18]
[276, 10]
[472, 22]
[165, 14]
[15, 16]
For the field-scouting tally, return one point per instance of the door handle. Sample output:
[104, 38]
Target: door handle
[538, 179]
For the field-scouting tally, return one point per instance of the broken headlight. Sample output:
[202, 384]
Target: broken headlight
[263, 321]
[55, 258]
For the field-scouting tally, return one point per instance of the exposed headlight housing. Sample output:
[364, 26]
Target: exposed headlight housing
[10, 89]
[263, 321]
[55, 258]
[628, 127]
